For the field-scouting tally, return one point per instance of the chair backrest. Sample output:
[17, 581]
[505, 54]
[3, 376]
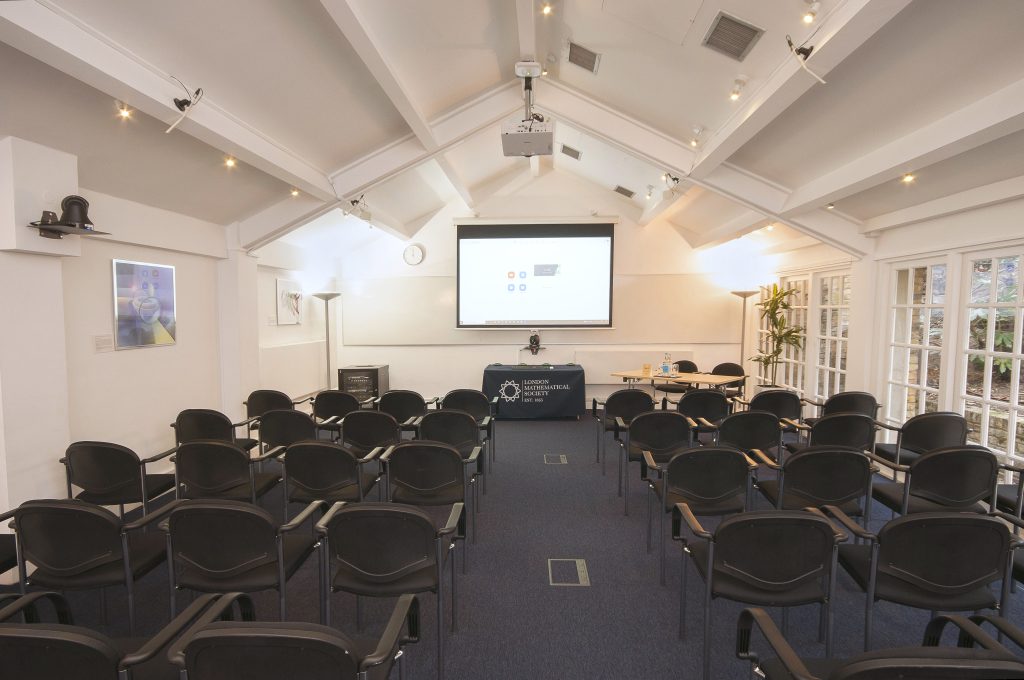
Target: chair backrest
[750, 430]
[627, 404]
[685, 366]
[41, 651]
[67, 537]
[334, 403]
[455, 428]
[320, 467]
[708, 474]
[956, 477]
[383, 542]
[827, 475]
[426, 470]
[103, 468]
[852, 430]
[261, 401]
[935, 430]
[222, 538]
[202, 423]
[712, 405]
[207, 467]
[363, 430]
[783, 403]
[402, 404]
[663, 433]
[851, 402]
[775, 550]
[283, 427]
[931, 663]
[232, 650]
[473, 402]
[944, 553]
[727, 368]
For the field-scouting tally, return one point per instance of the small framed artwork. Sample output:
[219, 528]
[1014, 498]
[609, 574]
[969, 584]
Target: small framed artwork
[144, 305]
[289, 302]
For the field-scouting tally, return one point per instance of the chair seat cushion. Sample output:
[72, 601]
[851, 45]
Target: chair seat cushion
[670, 388]
[447, 495]
[824, 668]
[731, 588]
[145, 549]
[349, 580]
[1006, 498]
[723, 506]
[156, 484]
[856, 560]
[296, 548]
[349, 492]
[795, 500]
[246, 444]
[888, 451]
[890, 494]
[263, 481]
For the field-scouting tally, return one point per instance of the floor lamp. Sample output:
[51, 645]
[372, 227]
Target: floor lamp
[327, 297]
[743, 326]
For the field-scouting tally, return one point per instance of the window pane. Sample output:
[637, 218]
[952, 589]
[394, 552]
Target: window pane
[897, 403]
[935, 328]
[901, 326]
[938, 284]
[976, 375]
[915, 367]
[823, 323]
[981, 280]
[821, 353]
[920, 284]
[934, 368]
[846, 290]
[902, 286]
[842, 383]
[978, 329]
[824, 290]
[998, 424]
[842, 356]
[972, 413]
[833, 355]
[837, 290]
[1018, 444]
[917, 317]
[1020, 389]
[822, 383]
[844, 322]
[1002, 338]
[913, 402]
[1006, 283]
[899, 364]
[931, 402]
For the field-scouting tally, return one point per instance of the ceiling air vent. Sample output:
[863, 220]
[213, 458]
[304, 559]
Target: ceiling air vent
[732, 37]
[571, 152]
[583, 57]
[625, 192]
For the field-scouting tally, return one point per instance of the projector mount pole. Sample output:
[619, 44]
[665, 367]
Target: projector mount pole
[528, 91]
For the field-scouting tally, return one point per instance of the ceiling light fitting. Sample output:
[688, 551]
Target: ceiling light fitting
[295, 192]
[908, 178]
[358, 208]
[185, 104]
[124, 112]
[546, 9]
[670, 180]
[230, 162]
[811, 13]
[737, 87]
[650, 191]
[695, 140]
[801, 54]
[830, 206]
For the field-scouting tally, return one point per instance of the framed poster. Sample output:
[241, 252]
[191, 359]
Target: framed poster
[144, 305]
[289, 302]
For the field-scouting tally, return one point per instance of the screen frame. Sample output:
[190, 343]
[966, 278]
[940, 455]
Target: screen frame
[535, 230]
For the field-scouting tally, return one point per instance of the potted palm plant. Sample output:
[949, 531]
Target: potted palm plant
[780, 333]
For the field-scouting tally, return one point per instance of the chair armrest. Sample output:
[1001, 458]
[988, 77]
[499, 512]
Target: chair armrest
[649, 460]
[474, 454]
[593, 406]
[321, 526]
[407, 609]
[886, 462]
[706, 423]
[1007, 517]
[387, 453]
[304, 400]
[432, 400]
[620, 423]
[691, 521]
[486, 422]
[849, 524]
[887, 426]
[812, 402]
[494, 400]
[247, 421]
[417, 421]
[1001, 625]
[453, 520]
[301, 517]
[329, 421]
[372, 454]
[1012, 468]
[27, 604]
[168, 632]
[411, 420]
[272, 453]
[691, 422]
[795, 423]
[146, 520]
[212, 611]
[159, 456]
[367, 402]
[836, 532]
[773, 636]
[7, 515]
[763, 459]
[970, 632]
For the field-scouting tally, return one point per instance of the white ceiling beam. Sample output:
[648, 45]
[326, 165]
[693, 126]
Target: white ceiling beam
[670, 198]
[748, 221]
[980, 122]
[48, 34]
[962, 201]
[280, 218]
[526, 23]
[845, 30]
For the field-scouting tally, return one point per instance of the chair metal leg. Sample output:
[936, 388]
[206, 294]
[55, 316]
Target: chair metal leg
[619, 444]
[170, 578]
[661, 538]
[707, 631]
[439, 557]
[682, 595]
[454, 625]
[650, 518]
[325, 591]
[625, 482]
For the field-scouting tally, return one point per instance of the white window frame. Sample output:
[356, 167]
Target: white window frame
[813, 332]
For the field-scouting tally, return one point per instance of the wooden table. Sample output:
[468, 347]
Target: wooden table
[709, 379]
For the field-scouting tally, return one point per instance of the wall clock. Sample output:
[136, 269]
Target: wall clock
[413, 254]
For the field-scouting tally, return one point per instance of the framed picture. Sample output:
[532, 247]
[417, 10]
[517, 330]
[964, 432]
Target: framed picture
[289, 302]
[144, 305]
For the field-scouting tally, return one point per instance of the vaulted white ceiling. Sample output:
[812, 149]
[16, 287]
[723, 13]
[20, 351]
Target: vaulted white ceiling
[400, 102]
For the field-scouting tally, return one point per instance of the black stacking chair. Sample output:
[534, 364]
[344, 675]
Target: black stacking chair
[785, 404]
[711, 480]
[405, 406]
[923, 433]
[76, 545]
[193, 424]
[363, 431]
[844, 402]
[773, 558]
[927, 662]
[661, 433]
[325, 471]
[213, 649]
[820, 475]
[475, 403]
[458, 429]
[620, 406]
[957, 479]
[111, 474]
[37, 650]
[331, 406]
[930, 560]
[216, 469]
[751, 431]
[1010, 497]
[8, 549]
[261, 401]
[216, 546]
[729, 368]
[849, 430]
[429, 473]
[285, 427]
[706, 408]
[384, 550]
[684, 366]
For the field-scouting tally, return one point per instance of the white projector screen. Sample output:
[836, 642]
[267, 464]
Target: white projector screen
[535, 276]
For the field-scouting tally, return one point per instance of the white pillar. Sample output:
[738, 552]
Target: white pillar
[867, 323]
[239, 327]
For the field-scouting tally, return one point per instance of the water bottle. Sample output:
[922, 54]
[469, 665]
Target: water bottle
[666, 364]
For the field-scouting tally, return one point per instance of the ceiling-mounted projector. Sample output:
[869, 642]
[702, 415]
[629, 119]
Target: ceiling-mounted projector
[531, 135]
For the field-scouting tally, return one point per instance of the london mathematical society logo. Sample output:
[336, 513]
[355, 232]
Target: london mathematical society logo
[509, 390]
